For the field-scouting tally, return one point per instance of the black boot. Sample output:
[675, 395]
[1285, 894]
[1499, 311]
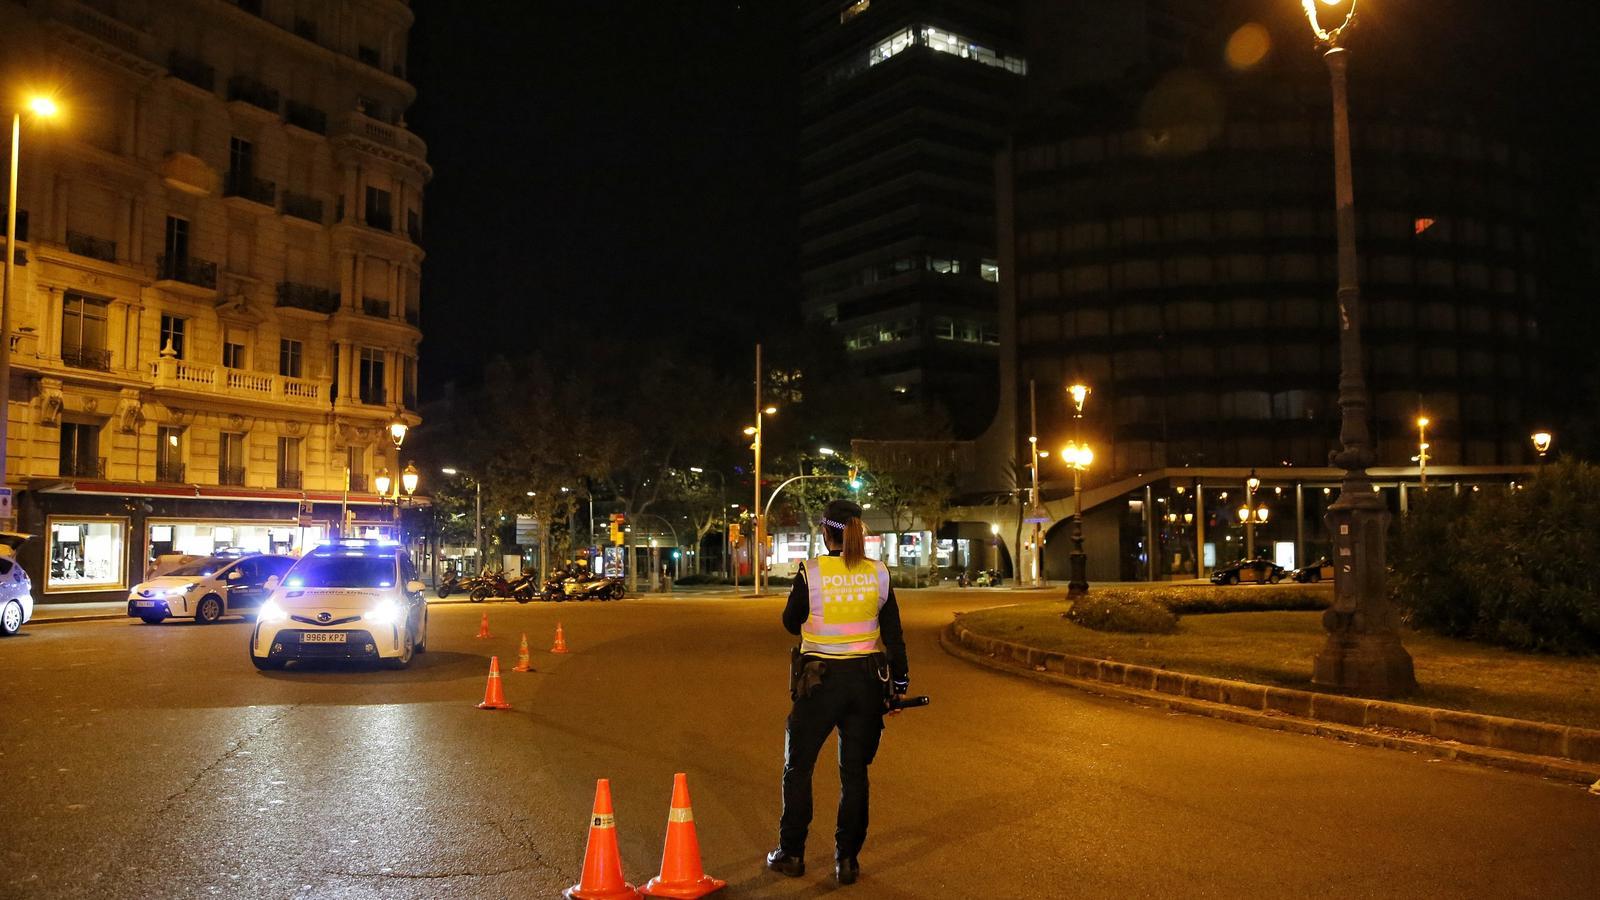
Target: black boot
[846, 869]
[783, 863]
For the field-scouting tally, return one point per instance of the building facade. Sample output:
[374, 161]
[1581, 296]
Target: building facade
[1186, 273]
[217, 293]
[904, 103]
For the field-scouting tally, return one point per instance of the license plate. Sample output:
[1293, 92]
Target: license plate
[144, 603]
[322, 637]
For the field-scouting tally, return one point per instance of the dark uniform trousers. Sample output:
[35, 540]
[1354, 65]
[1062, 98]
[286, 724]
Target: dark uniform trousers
[850, 698]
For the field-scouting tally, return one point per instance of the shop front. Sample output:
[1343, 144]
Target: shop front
[94, 545]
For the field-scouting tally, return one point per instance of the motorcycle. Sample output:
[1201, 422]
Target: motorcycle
[526, 588]
[449, 584]
[585, 587]
[489, 584]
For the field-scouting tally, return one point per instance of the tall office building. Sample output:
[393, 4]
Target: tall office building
[905, 103]
[216, 301]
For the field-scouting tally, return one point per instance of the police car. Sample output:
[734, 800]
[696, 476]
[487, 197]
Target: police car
[346, 600]
[207, 589]
[16, 589]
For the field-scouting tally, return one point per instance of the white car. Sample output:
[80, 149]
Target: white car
[346, 600]
[16, 589]
[207, 589]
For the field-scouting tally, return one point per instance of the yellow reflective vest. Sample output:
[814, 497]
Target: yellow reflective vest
[844, 606]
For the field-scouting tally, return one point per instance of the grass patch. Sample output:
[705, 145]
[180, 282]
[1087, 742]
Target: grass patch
[1190, 599]
[1277, 648]
[1126, 612]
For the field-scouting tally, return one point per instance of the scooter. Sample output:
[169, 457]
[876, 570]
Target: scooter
[588, 587]
[490, 584]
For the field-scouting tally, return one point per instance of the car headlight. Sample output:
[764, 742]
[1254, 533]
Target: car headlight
[387, 612]
[271, 612]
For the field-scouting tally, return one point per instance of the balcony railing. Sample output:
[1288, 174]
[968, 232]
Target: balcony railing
[373, 129]
[253, 92]
[302, 206]
[233, 475]
[193, 71]
[196, 378]
[287, 479]
[170, 472]
[187, 269]
[87, 358]
[307, 296]
[302, 115]
[91, 246]
[84, 467]
[375, 307]
[249, 187]
[102, 26]
[380, 220]
[373, 396]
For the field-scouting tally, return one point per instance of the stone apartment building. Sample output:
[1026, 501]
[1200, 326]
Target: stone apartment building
[216, 297]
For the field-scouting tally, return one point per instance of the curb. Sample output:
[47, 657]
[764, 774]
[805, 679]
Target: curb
[1562, 752]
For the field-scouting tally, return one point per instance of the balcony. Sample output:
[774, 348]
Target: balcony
[248, 187]
[248, 90]
[302, 206]
[392, 136]
[302, 115]
[92, 247]
[192, 71]
[372, 306]
[187, 270]
[84, 467]
[374, 395]
[308, 297]
[91, 358]
[287, 479]
[169, 472]
[238, 384]
[103, 27]
[233, 475]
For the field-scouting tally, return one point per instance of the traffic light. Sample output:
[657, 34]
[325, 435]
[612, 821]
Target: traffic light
[617, 521]
[733, 534]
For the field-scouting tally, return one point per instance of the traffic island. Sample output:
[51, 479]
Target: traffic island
[1563, 751]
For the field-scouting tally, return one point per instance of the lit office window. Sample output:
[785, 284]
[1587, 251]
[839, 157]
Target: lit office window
[989, 269]
[945, 266]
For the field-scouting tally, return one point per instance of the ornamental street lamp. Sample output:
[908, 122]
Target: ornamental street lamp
[1422, 451]
[1078, 457]
[1362, 653]
[43, 108]
[1250, 514]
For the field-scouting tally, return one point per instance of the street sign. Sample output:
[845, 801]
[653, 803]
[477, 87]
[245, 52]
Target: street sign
[1037, 514]
[527, 530]
[5, 503]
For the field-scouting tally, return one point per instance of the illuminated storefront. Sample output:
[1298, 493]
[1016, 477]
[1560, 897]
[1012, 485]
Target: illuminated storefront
[86, 554]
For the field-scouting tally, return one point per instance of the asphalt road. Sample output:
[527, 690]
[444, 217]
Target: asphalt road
[140, 761]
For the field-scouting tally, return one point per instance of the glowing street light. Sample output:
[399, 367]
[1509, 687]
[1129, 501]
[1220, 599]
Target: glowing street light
[1078, 457]
[1541, 443]
[41, 107]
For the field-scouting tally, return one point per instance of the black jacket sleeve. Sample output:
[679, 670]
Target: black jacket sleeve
[798, 608]
[894, 641]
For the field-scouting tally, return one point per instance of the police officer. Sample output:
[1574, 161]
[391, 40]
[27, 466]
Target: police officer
[843, 608]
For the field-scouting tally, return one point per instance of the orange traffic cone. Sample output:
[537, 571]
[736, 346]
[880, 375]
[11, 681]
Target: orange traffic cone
[523, 663]
[483, 627]
[681, 873]
[561, 641]
[602, 861]
[494, 696]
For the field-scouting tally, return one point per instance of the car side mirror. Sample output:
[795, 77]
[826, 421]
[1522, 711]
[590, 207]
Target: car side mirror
[272, 583]
[415, 587]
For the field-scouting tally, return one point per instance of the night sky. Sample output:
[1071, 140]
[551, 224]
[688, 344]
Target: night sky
[612, 167]
[626, 168]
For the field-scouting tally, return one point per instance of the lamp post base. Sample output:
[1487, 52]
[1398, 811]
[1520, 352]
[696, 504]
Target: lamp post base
[1078, 581]
[1366, 665]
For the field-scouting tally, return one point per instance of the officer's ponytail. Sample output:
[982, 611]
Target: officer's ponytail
[855, 542]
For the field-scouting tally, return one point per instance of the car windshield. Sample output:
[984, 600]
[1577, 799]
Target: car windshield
[343, 572]
[203, 568]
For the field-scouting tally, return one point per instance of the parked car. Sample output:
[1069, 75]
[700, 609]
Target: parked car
[1321, 570]
[16, 589]
[207, 589]
[351, 599]
[1253, 571]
